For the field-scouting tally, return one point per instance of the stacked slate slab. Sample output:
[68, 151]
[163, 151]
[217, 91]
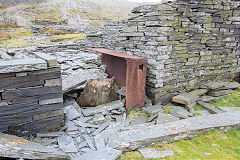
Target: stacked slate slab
[187, 43]
[31, 97]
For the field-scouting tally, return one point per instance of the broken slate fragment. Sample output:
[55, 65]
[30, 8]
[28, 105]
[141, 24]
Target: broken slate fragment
[199, 92]
[165, 118]
[103, 109]
[139, 120]
[190, 107]
[151, 153]
[185, 98]
[209, 108]
[153, 109]
[66, 144]
[72, 113]
[207, 98]
[214, 85]
[230, 109]
[230, 85]
[220, 93]
[180, 113]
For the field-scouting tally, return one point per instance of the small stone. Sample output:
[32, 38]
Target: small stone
[165, 118]
[101, 128]
[98, 118]
[22, 74]
[199, 92]
[51, 101]
[206, 153]
[153, 109]
[66, 144]
[185, 98]
[53, 82]
[151, 153]
[220, 93]
[180, 113]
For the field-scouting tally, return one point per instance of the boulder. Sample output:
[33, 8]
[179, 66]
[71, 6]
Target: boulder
[185, 98]
[98, 92]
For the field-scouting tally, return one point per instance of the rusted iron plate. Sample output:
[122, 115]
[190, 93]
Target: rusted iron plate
[129, 71]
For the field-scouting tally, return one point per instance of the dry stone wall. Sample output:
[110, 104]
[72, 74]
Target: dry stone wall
[186, 42]
[31, 97]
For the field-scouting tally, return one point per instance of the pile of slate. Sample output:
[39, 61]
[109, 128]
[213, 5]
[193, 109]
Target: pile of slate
[81, 138]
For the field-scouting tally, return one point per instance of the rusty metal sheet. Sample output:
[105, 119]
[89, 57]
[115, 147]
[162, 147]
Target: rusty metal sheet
[129, 71]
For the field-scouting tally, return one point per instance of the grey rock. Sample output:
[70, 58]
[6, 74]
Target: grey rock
[54, 134]
[131, 138]
[214, 85]
[106, 153]
[165, 118]
[185, 98]
[90, 141]
[139, 120]
[22, 65]
[204, 112]
[230, 109]
[180, 113]
[209, 108]
[190, 107]
[51, 101]
[103, 109]
[230, 85]
[148, 102]
[66, 144]
[72, 113]
[207, 98]
[101, 128]
[199, 92]
[81, 124]
[153, 109]
[220, 93]
[80, 77]
[51, 61]
[151, 153]
[98, 118]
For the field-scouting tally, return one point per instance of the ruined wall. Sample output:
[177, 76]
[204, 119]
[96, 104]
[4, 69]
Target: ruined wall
[187, 43]
[31, 98]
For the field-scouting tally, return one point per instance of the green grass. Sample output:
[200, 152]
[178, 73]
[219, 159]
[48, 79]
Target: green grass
[166, 110]
[222, 146]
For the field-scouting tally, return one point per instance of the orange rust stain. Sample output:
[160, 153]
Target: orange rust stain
[19, 141]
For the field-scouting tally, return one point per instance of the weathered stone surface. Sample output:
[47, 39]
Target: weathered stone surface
[185, 98]
[51, 101]
[204, 112]
[51, 61]
[105, 153]
[138, 120]
[53, 82]
[207, 98]
[103, 109]
[199, 92]
[190, 107]
[140, 136]
[230, 85]
[166, 118]
[80, 77]
[48, 115]
[66, 144]
[98, 92]
[16, 147]
[230, 109]
[153, 109]
[22, 65]
[220, 93]
[180, 113]
[151, 153]
[214, 85]
[209, 108]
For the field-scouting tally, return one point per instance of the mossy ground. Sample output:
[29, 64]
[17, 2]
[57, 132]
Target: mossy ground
[222, 146]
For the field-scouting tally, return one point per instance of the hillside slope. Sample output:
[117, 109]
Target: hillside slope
[73, 12]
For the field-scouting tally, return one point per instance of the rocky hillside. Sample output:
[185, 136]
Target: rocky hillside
[71, 12]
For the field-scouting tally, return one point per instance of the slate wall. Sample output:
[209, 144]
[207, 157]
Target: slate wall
[186, 42]
[31, 102]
